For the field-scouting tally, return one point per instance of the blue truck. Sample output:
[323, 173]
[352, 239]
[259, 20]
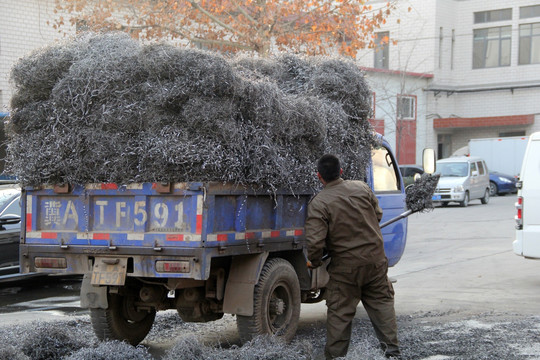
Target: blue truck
[204, 249]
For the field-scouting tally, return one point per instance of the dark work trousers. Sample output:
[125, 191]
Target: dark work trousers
[346, 288]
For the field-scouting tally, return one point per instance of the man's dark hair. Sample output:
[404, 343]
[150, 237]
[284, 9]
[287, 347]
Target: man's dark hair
[329, 167]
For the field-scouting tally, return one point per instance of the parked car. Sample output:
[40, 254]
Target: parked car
[463, 178]
[409, 171]
[10, 227]
[501, 184]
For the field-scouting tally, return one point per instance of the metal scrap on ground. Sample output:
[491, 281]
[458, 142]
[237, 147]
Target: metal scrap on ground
[104, 108]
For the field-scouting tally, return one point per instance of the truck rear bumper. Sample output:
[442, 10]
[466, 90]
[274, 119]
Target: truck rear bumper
[527, 243]
[80, 260]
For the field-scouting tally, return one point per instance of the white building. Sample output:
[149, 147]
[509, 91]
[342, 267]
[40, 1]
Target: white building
[479, 62]
[23, 29]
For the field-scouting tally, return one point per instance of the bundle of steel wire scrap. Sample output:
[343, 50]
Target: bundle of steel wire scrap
[104, 108]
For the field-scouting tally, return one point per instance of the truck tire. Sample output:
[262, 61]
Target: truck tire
[121, 321]
[276, 303]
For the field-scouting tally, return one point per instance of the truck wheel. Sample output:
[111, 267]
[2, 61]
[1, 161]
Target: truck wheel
[121, 321]
[485, 199]
[465, 201]
[493, 188]
[276, 303]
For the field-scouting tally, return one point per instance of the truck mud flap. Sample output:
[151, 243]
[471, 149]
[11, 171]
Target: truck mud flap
[244, 274]
[93, 297]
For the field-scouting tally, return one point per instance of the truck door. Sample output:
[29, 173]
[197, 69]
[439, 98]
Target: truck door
[387, 185]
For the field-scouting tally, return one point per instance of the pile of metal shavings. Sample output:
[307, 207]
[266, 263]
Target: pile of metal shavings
[419, 195]
[260, 348]
[104, 108]
[110, 350]
[421, 335]
[10, 352]
[50, 341]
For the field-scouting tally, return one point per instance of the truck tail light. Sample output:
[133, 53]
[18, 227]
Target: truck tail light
[173, 266]
[50, 263]
[519, 215]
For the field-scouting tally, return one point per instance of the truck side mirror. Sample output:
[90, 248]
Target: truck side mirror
[428, 161]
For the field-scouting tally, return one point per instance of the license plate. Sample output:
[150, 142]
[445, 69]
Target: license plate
[436, 197]
[109, 271]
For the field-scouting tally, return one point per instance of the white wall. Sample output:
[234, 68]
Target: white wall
[463, 75]
[23, 29]
[414, 32]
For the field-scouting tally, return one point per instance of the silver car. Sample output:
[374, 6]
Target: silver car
[463, 179]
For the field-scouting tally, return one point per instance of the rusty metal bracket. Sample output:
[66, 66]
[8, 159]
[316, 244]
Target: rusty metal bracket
[62, 188]
[164, 188]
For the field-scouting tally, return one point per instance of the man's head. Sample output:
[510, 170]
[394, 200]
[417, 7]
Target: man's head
[329, 168]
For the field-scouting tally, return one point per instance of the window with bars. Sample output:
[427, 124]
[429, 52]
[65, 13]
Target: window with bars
[406, 107]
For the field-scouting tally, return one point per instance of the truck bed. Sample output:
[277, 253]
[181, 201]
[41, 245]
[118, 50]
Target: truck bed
[152, 221]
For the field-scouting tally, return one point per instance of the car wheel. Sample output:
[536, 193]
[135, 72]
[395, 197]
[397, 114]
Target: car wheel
[465, 201]
[493, 189]
[485, 199]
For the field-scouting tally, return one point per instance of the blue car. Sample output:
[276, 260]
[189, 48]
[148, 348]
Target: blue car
[501, 184]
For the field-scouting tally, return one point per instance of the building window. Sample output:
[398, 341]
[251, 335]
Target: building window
[529, 44]
[491, 47]
[526, 12]
[382, 50]
[406, 107]
[492, 15]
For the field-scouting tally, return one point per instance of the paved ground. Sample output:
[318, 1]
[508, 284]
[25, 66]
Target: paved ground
[461, 293]
[461, 259]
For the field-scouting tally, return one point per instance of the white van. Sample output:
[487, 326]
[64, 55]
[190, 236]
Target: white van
[527, 242]
[463, 178]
